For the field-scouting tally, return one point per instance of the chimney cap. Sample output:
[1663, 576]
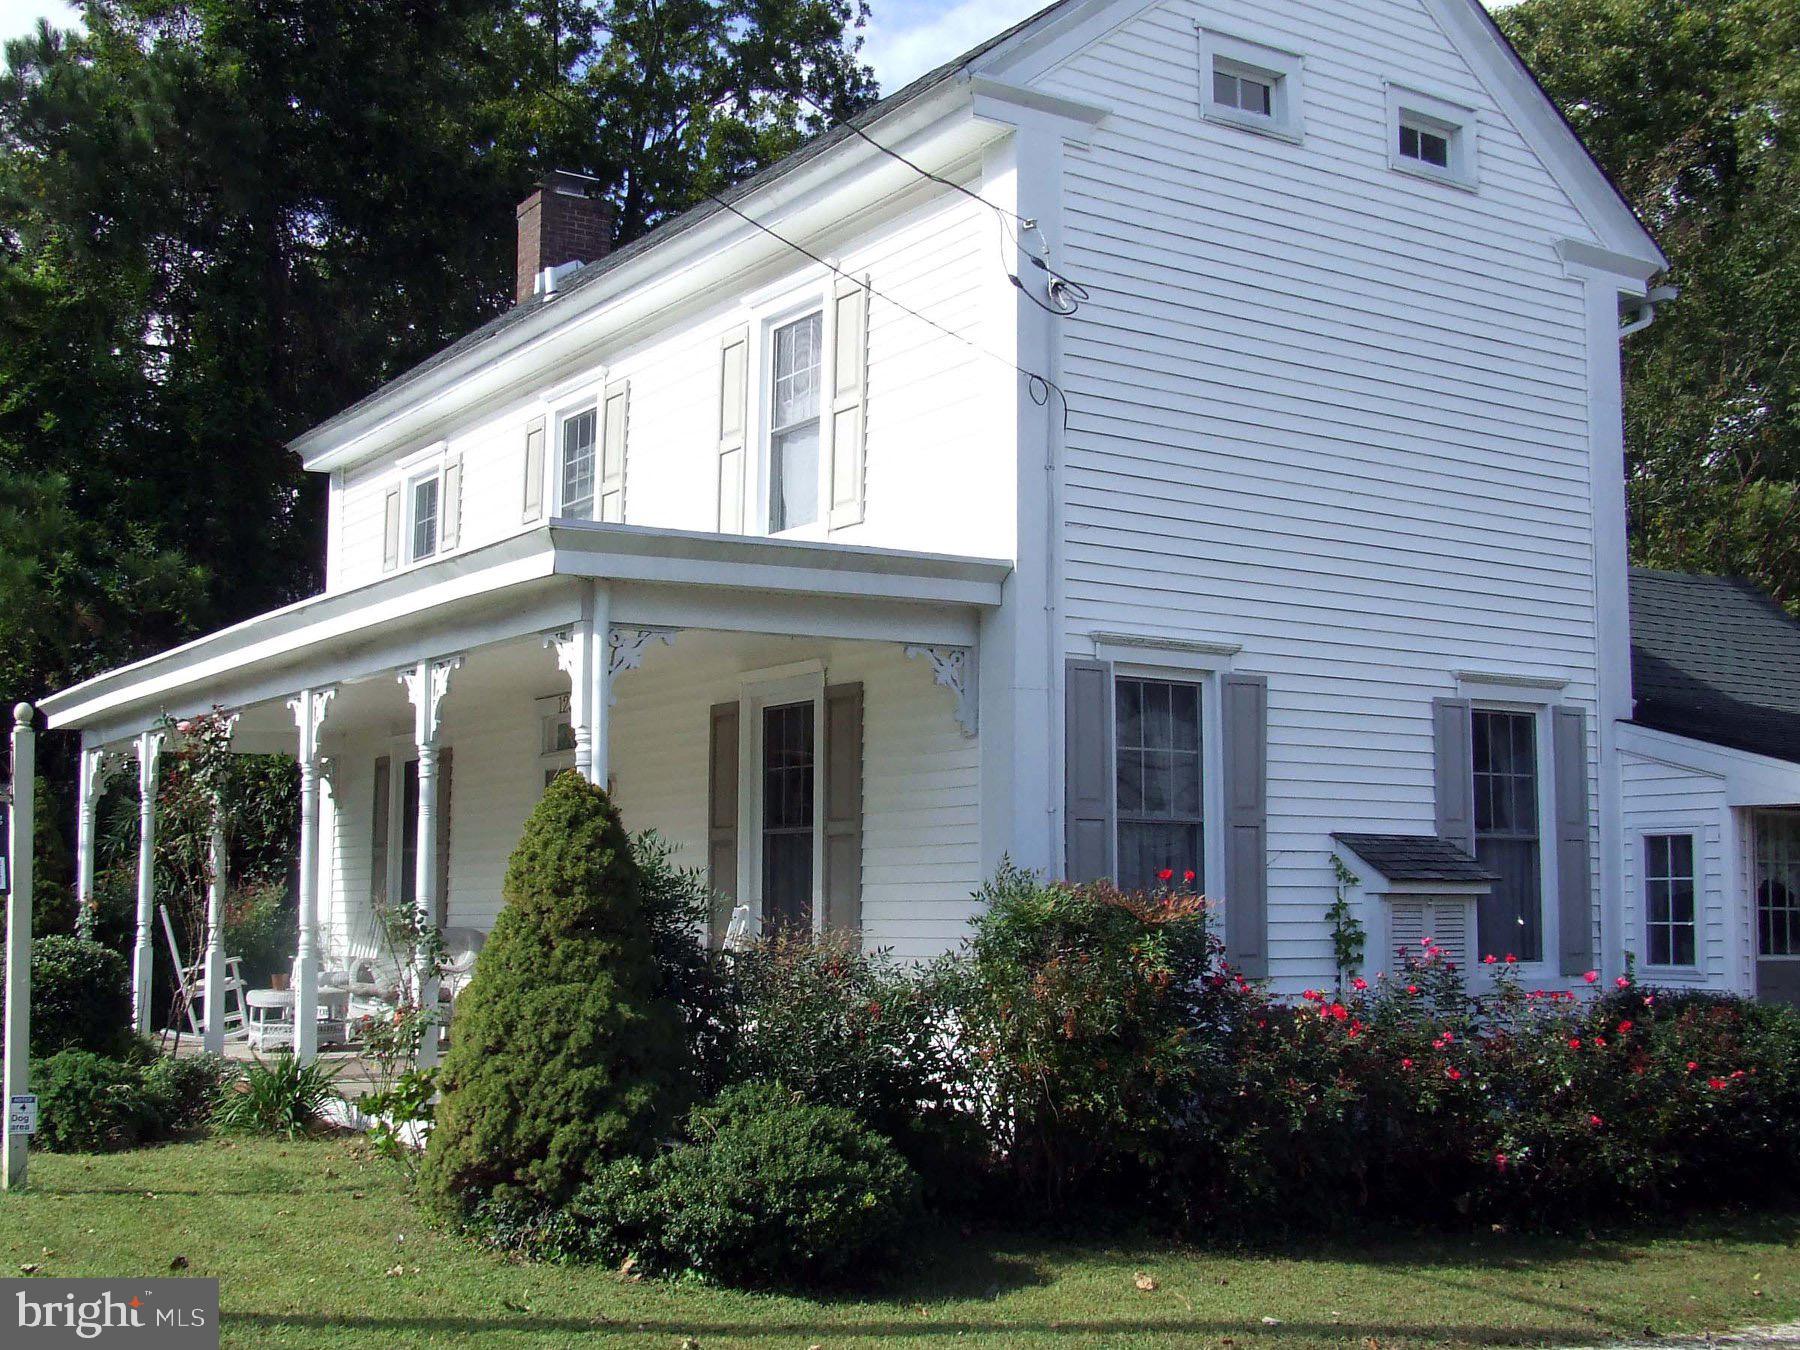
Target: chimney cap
[571, 184]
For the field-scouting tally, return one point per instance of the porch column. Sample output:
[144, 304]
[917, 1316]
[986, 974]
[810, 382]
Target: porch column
[584, 654]
[212, 1035]
[309, 708]
[149, 752]
[93, 776]
[426, 685]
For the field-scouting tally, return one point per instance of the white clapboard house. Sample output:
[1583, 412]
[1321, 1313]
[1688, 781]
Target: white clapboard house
[1173, 435]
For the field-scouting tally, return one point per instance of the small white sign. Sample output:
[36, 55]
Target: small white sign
[21, 1114]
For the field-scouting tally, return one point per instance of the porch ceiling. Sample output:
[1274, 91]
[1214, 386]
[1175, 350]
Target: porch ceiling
[527, 584]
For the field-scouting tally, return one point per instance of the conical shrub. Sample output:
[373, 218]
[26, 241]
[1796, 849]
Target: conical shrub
[562, 1058]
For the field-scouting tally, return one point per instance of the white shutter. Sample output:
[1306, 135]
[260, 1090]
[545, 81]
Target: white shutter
[614, 423]
[450, 508]
[849, 400]
[534, 470]
[390, 531]
[734, 357]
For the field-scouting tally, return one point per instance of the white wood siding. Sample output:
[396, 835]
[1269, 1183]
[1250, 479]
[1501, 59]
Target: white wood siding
[1328, 411]
[1663, 799]
[933, 463]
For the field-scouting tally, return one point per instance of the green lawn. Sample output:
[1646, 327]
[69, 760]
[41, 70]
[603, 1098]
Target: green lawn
[303, 1238]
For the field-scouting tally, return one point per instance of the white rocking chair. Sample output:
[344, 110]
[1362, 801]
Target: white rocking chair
[190, 982]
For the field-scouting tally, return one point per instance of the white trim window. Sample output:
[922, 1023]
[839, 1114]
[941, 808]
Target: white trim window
[796, 377]
[577, 463]
[781, 817]
[1509, 828]
[1430, 137]
[1777, 882]
[1160, 780]
[424, 514]
[1247, 85]
[1671, 925]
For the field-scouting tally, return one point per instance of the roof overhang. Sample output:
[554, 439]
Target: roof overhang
[1749, 779]
[533, 582]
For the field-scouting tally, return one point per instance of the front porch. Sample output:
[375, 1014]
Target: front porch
[801, 722]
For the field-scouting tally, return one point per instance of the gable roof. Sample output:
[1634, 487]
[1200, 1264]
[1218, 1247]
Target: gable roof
[1469, 18]
[1415, 858]
[1715, 659]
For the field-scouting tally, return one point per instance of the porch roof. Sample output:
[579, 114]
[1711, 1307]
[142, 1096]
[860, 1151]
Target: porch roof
[535, 581]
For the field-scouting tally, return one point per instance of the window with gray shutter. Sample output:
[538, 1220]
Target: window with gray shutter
[576, 465]
[1504, 777]
[1574, 855]
[378, 834]
[1454, 779]
[1088, 830]
[1158, 783]
[843, 807]
[789, 799]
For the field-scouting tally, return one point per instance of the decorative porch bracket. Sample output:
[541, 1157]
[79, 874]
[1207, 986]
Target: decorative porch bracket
[309, 707]
[625, 649]
[954, 669]
[427, 683]
[149, 754]
[97, 767]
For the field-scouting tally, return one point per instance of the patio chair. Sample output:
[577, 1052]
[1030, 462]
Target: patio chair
[191, 992]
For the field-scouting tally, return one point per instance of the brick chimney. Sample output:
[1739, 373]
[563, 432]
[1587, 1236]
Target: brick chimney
[564, 221]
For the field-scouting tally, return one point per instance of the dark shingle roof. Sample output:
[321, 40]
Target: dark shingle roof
[1715, 659]
[1415, 857]
[687, 220]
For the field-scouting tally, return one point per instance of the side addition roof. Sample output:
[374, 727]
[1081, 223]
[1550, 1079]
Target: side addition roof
[1415, 858]
[1715, 659]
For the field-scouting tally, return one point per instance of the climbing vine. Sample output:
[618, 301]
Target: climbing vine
[1348, 938]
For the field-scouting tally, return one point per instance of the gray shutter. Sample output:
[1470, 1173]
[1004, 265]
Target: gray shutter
[1574, 860]
[734, 357]
[614, 421]
[444, 817]
[849, 401]
[378, 833]
[1455, 771]
[450, 508]
[843, 798]
[1244, 717]
[1089, 836]
[390, 531]
[534, 469]
[722, 815]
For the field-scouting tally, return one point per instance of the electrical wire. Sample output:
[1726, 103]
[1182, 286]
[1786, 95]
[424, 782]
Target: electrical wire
[1038, 387]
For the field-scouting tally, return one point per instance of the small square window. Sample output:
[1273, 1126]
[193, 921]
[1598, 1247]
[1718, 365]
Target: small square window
[1431, 137]
[1250, 86]
[424, 516]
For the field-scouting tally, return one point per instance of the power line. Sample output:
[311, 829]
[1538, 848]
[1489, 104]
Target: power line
[1039, 387]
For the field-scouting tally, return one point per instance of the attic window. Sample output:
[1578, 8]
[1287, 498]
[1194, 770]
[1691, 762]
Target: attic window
[1247, 85]
[1431, 137]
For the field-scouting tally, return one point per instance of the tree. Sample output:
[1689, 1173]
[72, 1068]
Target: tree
[1693, 109]
[563, 1057]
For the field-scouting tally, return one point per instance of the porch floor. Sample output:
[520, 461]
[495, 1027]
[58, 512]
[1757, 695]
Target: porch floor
[355, 1074]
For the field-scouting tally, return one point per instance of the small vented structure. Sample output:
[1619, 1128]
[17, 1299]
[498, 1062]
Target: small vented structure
[1413, 887]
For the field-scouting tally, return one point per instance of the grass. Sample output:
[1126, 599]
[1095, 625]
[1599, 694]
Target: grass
[305, 1238]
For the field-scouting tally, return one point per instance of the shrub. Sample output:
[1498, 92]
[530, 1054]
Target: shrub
[843, 1027]
[80, 997]
[186, 1090]
[279, 1096]
[260, 929]
[1078, 1008]
[765, 1190]
[677, 905]
[563, 1057]
[88, 1103]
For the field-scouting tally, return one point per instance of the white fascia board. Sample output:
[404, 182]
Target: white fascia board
[1750, 779]
[1013, 105]
[1476, 37]
[1056, 37]
[937, 130]
[745, 562]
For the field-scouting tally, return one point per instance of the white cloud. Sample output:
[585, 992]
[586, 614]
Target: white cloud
[906, 38]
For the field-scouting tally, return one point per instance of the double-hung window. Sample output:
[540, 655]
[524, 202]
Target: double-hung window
[1670, 935]
[1158, 788]
[575, 480]
[1507, 841]
[1777, 883]
[425, 493]
[789, 772]
[796, 370]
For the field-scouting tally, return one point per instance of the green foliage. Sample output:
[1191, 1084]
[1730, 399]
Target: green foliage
[677, 905]
[764, 1190]
[1348, 938]
[80, 997]
[186, 1089]
[260, 929]
[564, 1057]
[280, 1096]
[88, 1103]
[402, 1110]
[1076, 1012]
[1693, 109]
